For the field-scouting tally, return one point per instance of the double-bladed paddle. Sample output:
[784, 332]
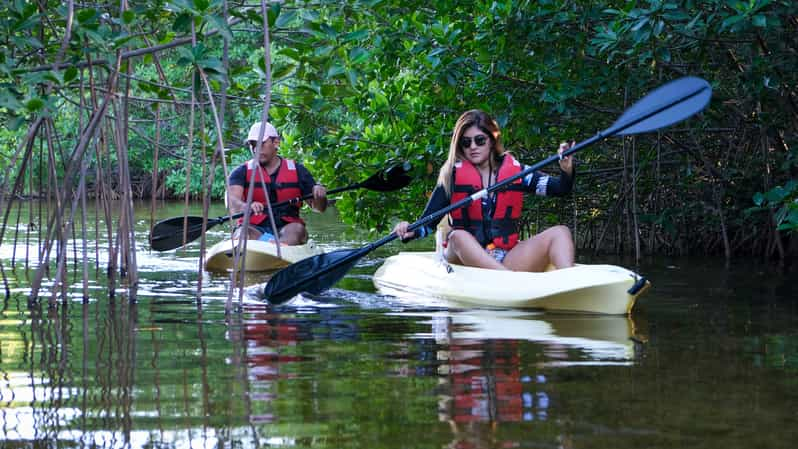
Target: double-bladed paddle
[168, 234]
[666, 105]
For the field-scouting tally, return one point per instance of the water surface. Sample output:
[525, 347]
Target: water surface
[709, 359]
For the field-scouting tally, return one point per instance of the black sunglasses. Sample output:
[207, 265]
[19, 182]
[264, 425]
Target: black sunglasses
[465, 142]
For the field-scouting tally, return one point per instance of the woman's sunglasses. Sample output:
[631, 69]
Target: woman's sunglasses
[465, 142]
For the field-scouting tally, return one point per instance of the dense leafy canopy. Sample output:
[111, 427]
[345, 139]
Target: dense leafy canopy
[359, 84]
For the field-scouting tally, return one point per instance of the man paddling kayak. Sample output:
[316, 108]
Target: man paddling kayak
[485, 234]
[284, 179]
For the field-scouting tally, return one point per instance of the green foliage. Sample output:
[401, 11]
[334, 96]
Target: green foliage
[424, 69]
[784, 200]
[364, 83]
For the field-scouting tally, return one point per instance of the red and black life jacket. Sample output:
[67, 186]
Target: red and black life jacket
[286, 187]
[501, 228]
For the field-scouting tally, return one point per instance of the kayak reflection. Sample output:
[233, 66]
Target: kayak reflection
[488, 373]
[595, 340]
[471, 369]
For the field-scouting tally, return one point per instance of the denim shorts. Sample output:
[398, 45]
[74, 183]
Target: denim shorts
[498, 254]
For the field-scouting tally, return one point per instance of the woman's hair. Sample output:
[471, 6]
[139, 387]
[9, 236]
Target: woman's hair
[481, 120]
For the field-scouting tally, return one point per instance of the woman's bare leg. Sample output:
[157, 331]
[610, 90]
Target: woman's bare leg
[462, 248]
[553, 246]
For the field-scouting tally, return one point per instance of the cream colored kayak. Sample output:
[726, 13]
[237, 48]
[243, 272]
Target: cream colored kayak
[261, 256]
[605, 289]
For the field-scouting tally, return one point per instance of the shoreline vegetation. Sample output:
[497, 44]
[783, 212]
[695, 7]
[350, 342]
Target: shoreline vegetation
[103, 103]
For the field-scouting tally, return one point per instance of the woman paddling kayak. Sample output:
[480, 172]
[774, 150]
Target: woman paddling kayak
[485, 234]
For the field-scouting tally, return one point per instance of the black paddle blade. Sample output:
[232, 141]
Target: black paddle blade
[313, 275]
[394, 178]
[168, 234]
[665, 105]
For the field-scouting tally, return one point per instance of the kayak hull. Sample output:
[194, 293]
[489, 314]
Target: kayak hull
[261, 256]
[601, 289]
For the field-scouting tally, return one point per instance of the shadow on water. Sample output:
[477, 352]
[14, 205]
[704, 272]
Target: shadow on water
[708, 359]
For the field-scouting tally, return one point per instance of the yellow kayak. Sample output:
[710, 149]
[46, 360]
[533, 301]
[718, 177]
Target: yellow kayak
[261, 255]
[602, 289]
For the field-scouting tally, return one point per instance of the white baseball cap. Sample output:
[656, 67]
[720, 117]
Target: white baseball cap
[254, 132]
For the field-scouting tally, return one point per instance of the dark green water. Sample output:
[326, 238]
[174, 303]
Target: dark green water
[709, 359]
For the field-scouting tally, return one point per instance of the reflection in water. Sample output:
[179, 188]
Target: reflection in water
[482, 368]
[281, 358]
[362, 370]
[355, 369]
[485, 383]
[270, 342]
[56, 389]
[488, 373]
[597, 339]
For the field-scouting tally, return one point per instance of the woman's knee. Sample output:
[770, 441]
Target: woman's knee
[560, 232]
[459, 237]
